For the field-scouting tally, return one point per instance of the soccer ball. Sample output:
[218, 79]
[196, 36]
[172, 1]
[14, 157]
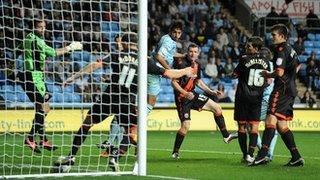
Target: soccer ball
[59, 168]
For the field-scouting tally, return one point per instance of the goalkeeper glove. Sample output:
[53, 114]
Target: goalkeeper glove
[75, 46]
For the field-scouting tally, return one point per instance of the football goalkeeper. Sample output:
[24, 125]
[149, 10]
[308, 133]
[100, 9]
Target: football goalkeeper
[35, 51]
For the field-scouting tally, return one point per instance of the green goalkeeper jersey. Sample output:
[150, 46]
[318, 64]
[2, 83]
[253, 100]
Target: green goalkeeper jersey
[35, 52]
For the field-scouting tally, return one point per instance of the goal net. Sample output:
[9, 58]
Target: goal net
[76, 34]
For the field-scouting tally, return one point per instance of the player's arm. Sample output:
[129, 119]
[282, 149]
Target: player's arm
[205, 88]
[86, 70]
[72, 47]
[179, 55]
[184, 93]
[162, 61]
[177, 73]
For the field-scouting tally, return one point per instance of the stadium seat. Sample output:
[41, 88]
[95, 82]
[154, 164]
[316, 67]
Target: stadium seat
[57, 97]
[316, 44]
[303, 58]
[308, 44]
[317, 37]
[308, 51]
[69, 89]
[210, 42]
[311, 36]
[205, 49]
[9, 88]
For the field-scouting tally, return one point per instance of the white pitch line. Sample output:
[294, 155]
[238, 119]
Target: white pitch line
[168, 177]
[224, 152]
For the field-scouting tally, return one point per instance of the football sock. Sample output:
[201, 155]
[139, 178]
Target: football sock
[273, 144]
[252, 143]
[115, 130]
[221, 124]
[149, 108]
[268, 134]
[288, 139]
[37, 125]
[242, 139]
[79, 138]
[177, 143]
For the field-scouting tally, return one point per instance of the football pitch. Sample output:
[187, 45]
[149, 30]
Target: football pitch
[203, 155]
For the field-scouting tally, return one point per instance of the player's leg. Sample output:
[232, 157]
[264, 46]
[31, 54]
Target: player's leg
[214, 107]
[153, 90]
[272, 146]
[288, 139]
[114, 132]
[182, 132]
[242, 139]
[38, 122]
[268, 134]
[254, 125]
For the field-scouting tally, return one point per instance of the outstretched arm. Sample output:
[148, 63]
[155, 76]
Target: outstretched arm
[86, 70]
[177, 73]
[206, 89]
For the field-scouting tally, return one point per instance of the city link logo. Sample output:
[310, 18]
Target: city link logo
[20, 125]
[310, 124]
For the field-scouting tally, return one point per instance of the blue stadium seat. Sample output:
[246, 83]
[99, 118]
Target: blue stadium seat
[308, 51]
[69, 89]
[311, 36]
[57, 97]
[308, 44]
[303, 58]
[207, 81]
[210, 42]
[318, 37]
[316, 44]
[12, 97]
[68, 97]
[22, 97]
[18, 88]
[76, 98]
[9, 88]
[205, 49]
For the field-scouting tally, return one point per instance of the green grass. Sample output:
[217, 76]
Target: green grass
[203, 156]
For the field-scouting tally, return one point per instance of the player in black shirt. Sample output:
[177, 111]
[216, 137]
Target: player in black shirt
[186, 99]
[120, 96]
[282, 97]
[249, 94]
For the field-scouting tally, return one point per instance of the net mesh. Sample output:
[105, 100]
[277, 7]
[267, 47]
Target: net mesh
[96, 25]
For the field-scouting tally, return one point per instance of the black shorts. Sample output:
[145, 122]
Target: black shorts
[31, 90]
[281, 106]
[247, 111]
[122, 105]
[184, 105]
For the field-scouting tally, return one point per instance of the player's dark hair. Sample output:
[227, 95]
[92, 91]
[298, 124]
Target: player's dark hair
[193, 45]
[256, 42]
[281, 29]
[176, 25]
[130, 37]
[266, 52]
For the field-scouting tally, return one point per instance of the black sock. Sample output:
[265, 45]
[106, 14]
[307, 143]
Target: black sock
[37, 125]
[253, 137]
[79, 138]
[242, 139]
[266, 140]
[288, 139]
[178, 141]
[222, 126]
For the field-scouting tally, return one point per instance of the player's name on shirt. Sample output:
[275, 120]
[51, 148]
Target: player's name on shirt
[257, 61]
[128, 59]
